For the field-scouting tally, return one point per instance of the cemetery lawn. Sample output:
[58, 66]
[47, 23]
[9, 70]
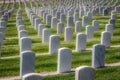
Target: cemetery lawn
[48, 63]
[11, 41]
[107, 73]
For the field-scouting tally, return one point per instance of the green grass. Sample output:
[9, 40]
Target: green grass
[46, 63]
[107, 73]
[12, 33]
[67, 76]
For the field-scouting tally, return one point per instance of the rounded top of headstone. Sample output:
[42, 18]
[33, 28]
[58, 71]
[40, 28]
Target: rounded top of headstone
[60, 23]
[85, 16]
[78, 22]
[54, 36]
[27, 51]
[109, 25]
[41, 25]
[22, 31]
[68, 28]
[89, 26]
[84, 67]
[64, 48]
[32, 74]
[21, 25]
[45, 29]
[96, 45]
[54, 18]
[25, 38]
[107, 32]
[81, 34]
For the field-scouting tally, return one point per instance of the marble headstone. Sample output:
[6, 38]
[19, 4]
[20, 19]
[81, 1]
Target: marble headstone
[64, 60]
[54, 44]
[25, 44]
[68, 35]
[84, 73]
[45, 35]
[40, 28]
[78, 26]
[89, 32]
[98, 56]
[106, 38]
[81, 42]
[27, 63]
[32, 76]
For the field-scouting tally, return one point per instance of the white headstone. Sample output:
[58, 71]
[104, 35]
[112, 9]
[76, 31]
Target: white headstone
[89, 14]
[81, 42]
[19, 22]
[54, 23]
[81, 13]
[106, 38]
[113, 12]
[70, 21]
[117, 9]
[27, 63]
[48, 19]
[70, 13]
[54, 44]
[89, 32]
[113, 16]
[68, 35]
[78, 26]
[44, 15]
[3, 23]
[60, 28]
[62, 18]
[64, 60]
[84, 73]
[58, 15]
[1, 38]
[33, 20]
[22, 33]
[76, 16]
[85, 20]
[45, 35]
[95, 24]
[3, 30]
[32, 76]
[54, 12]
[40, 28]
[21, 27]
[25, 44]
[37, 22]
[109, 27]
[98, 56]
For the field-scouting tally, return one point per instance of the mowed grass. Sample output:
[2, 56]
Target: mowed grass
[107, 73]
[47, 63]
[37, 45]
